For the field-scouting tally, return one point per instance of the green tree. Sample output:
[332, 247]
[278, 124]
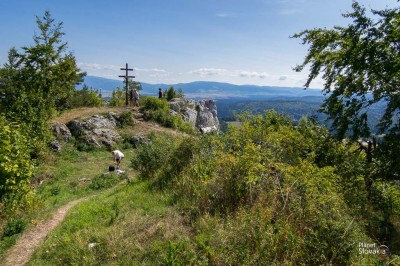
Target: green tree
[85, 97]
[171, 93]
[360, 64]
[135, 85]
[37, 82]
[117, 97]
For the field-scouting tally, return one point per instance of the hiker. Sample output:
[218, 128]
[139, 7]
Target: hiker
[131, 98]
[135, 98]
[117, 157]
[159, 93]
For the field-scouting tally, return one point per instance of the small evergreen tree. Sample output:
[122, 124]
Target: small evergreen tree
[117, 97]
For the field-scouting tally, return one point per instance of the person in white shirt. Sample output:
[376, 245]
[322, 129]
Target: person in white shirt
[117, 157]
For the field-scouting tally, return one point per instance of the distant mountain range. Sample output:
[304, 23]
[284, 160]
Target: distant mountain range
[233, 99]
[214, 90]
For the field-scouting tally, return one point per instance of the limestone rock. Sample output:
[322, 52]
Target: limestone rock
[55, 146]
[172, 112]
[202, 115]
[60, 131]
[175, 106]
[207, 119]
[96, 131]
[189, 115]
[205, 130]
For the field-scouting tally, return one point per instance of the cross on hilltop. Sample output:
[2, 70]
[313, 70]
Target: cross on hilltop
[126, 78]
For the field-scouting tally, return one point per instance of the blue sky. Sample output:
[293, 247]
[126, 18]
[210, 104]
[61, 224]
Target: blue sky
[173, 41]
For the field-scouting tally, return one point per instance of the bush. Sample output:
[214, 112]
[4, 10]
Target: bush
[157, 110]
[126, 119]
[269, 193]
[118, 97]
[154, 104]
[13, 227]
[15, 166]
[153, 157]
[85, 98]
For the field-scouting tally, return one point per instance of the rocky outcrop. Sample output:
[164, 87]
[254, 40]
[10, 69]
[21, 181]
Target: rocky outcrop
[207, 119]
[96, 131]
[177, 104]
[60, 131]
[61, 135]
[203, 115]
[189, 115]
[55, 145]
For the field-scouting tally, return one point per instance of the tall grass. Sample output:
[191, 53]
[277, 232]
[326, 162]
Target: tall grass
[128, 225]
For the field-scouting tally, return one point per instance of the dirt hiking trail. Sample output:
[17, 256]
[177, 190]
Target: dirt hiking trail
[21, 253]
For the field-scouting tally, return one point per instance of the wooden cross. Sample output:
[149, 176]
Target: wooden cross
[126, 77]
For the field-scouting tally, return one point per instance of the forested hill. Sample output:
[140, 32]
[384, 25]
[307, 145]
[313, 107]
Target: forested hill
[235, 99]
[205, 89]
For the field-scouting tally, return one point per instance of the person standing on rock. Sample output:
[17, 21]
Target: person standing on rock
[135, 98]
[117, 157]
[159, 93]
[131, 97]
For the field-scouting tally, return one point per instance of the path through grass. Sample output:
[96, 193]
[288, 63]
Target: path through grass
[128, 225]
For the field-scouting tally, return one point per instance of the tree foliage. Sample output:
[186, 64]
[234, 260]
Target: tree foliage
[158, 110]
[118, 97]
[15, 165]
[360, 64]
[86, 97]
[135, 85]
[37, 81]
[171, 93]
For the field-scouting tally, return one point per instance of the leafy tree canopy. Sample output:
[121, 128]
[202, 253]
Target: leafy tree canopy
[38, 80]
[360, 64]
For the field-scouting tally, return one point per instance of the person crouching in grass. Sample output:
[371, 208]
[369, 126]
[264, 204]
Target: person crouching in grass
[117, 157]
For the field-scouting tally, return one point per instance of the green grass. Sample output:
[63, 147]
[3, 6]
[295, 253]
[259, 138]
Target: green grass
[61, 178]
[129, 224]
[72, 174]
[68, 172]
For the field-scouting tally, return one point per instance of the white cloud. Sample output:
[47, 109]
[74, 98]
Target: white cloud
[253, 74]
[283, 77]
[229, 73]
[152, 70]
[209, 71]
[90, 66]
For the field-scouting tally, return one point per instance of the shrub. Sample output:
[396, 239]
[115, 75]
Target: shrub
[126, 119]
[153, 157]
[85, 98]
[269, 193]
[118, 97]
[13, 227]
[15, 166]
[157, 110]
[154, 104]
